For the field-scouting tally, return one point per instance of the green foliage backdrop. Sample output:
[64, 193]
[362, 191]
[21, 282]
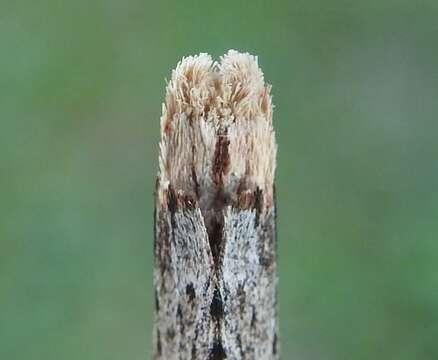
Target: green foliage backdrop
[355, 85]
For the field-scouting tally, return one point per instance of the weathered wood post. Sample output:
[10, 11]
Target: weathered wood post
[215, 244]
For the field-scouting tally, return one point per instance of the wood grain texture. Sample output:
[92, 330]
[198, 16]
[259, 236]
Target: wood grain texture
[215, 239]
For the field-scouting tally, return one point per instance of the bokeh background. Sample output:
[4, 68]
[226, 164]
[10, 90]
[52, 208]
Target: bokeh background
[355, 85]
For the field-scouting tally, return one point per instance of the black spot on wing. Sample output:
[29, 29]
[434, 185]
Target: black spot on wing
[190, 292]
[217, 352]
[216, 307]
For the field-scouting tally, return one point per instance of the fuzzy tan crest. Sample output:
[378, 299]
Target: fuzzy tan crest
[216, 128]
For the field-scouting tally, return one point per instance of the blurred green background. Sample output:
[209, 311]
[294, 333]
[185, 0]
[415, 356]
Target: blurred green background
[355, 85]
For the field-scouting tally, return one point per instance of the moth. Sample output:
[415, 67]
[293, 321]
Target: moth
[215, 273]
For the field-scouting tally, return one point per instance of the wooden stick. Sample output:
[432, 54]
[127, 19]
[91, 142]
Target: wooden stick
[215, 244]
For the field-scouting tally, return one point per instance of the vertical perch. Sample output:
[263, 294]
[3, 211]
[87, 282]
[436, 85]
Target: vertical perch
[215, 245]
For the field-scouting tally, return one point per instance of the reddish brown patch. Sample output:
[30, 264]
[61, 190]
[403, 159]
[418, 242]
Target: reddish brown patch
[176, 201]
[187, 202]
[265, 101]
[189, 74]
[206, 108]
[168, 126]
[251, 199]
[221, 161]
[245, 196]
[245, 200]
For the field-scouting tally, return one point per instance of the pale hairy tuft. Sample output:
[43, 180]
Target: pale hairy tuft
[216, 129]
[243, 85]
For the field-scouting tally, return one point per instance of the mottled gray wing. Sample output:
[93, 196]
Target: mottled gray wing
[248, 285]
[183, 283]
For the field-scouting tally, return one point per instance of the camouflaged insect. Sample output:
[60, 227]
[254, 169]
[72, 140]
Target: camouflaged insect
[215, 245]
